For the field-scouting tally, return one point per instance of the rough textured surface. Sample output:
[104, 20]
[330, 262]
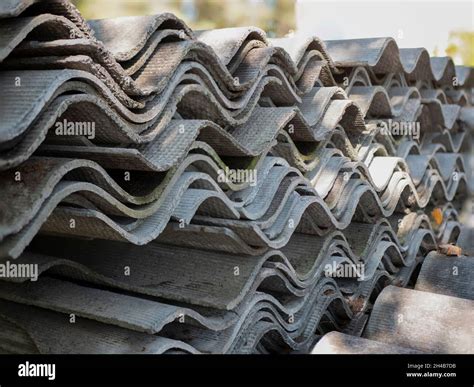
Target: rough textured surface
[424, 321]
[451, 276]
[144, 230]
[335, 343]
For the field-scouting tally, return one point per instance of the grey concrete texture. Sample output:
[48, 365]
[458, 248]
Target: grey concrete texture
[175, 259]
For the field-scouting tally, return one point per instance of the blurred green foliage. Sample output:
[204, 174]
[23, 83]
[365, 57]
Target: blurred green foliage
[461, 43]
[276, 17]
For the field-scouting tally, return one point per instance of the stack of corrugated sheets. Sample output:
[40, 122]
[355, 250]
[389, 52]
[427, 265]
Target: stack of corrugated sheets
[215, 191]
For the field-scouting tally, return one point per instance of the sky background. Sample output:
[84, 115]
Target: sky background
[412, 23]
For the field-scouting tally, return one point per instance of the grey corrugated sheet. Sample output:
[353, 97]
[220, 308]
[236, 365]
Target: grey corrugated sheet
[174, 199]
[174, 107]
[84, 336]
[436, 317]
[424, 321]
[339, 343]
[451, 276]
